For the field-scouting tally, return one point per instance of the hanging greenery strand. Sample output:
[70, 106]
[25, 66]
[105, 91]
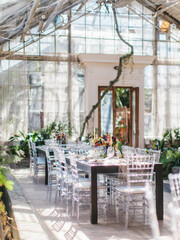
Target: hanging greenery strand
[124, 58]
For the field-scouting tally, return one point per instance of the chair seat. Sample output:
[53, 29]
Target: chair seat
[87, 184]
[40, 160]
[131, 190]
[52, 172]
[70, 179]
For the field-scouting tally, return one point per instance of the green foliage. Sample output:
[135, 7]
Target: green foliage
[55, 128]
[22, 149]
[122, 97]
[7, 183]
[170, 140]
[5, 158]
[169, 160]
[120, 144]
[177, 133]
[8, 156]
[177, 137]
[159, 144]
[170, 157]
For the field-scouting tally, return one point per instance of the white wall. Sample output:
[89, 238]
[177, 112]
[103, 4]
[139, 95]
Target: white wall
[99, 70]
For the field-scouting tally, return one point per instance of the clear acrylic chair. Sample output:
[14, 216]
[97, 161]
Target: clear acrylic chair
[54, 173]
[131, 196]
[152, 212]
[174, 213]
[82, 190]
[174, 182]
[39, 163]
[31, 157]
[157, 154]
[174, 206]
[65, 179]
[126, 150]
[141, 151]
[153, 217]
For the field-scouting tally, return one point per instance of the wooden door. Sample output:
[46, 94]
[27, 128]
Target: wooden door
[119, 114]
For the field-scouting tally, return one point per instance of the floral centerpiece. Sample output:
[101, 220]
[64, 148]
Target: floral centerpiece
[107, 141]
[61, 138]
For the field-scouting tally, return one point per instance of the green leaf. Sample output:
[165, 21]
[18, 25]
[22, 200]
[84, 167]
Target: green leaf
[22, 134]
[11, 138]
[2, 179]
[15, 135]
[9, 185]
[161, 146]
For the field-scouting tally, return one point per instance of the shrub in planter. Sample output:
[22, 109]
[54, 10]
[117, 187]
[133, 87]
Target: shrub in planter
[169, 160]
[22, 139]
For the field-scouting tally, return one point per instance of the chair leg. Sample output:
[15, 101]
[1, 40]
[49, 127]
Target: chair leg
[127, 211]
[57, 194]
[117, 213]
[105, 212]
[72, 207]
[67, 207]
[78, 212]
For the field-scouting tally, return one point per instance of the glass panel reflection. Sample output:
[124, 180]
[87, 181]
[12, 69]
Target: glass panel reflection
[107, 113]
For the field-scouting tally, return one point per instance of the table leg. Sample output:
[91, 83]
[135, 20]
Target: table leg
[94, 207]
[158, 168]
[46, 171]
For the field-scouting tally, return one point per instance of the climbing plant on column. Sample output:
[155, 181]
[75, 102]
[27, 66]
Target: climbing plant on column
[124, 59]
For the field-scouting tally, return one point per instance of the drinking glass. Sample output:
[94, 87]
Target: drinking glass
[110, 152]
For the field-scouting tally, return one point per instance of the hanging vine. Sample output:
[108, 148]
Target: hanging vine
[124, 59]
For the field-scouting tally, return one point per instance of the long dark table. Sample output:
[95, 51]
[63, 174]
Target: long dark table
[96, 169]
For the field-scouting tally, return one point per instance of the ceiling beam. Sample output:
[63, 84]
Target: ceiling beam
[163, 9]
[165, 16]
[64, 57]
[30, 18]
[4, 38]
[149, 21]
[148, 4]
[81, 6]
[57, 8]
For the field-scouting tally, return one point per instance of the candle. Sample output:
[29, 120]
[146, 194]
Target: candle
[94, 133]
[110, 141]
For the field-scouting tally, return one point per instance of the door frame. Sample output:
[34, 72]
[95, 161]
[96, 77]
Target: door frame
[132, 89]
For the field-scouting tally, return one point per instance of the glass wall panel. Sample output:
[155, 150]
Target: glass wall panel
[92, 45]
[33, 49]
[78, 45]
[61, 44]
[92, 26]
[78, 28]
[107, 46]
[148, 48]
[47, 45]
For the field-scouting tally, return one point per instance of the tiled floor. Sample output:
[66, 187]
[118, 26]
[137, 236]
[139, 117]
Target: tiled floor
[38, 218]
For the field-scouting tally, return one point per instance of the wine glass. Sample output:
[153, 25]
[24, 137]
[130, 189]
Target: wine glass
[96, 153]
[110, 152]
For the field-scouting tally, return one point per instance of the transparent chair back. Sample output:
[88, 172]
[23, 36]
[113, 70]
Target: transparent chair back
[156, 153]
[141, 151]
[174, 181]
[139, 169]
